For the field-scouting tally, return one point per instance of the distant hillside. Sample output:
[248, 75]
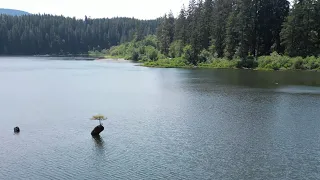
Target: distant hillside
[57, 35]
[12, 12]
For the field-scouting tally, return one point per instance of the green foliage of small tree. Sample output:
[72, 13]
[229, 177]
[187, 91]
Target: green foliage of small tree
[279, 62]
[212, 48]
[150, 40]
[168, 63]
[118, 50]
[312, 63]
[248, 62]
[298, 63]
[204, 56]
[188, 54]
[220, 63]
[99, 118]
[134, 55]
[151, 53]
[144, 50]
[176, 49]
[274, 62]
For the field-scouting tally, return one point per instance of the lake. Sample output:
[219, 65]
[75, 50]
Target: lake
[162, 123]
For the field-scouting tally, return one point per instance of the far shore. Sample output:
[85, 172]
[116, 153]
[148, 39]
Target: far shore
[175, 63]
[165, 64]
[112, 59]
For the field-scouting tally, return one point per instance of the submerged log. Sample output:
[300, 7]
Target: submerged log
[16, 129]
[97, 130]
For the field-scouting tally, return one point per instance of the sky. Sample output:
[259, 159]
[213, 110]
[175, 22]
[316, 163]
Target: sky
[141, 9]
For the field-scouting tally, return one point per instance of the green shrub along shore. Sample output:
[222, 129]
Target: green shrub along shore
[146, 52]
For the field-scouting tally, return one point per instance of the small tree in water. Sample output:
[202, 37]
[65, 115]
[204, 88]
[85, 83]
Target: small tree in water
[99, 118]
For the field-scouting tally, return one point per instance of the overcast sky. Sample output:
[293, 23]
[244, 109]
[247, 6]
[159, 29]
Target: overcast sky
[142, 9]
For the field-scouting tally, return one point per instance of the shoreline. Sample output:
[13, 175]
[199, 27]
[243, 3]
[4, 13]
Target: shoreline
[246, 69]
[199, 66]
[110, 59]
[166, 63]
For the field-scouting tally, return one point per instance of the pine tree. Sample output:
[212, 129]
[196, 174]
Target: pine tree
[269, 17]
[171, 26]
[166, 33]
[222, 10]
[245, 25]
[191, 19]
[3, 35]
[207, 20]
[280, 12]
[232, 33]
[196, 32]
[316, 33]
[181, 27]
[300, 28]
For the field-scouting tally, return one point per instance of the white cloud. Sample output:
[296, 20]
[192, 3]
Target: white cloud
[142, 9]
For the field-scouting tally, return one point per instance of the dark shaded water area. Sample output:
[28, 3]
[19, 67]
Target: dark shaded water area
[163, 123]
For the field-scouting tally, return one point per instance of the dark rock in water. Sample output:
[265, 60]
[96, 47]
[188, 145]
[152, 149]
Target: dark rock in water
[16, 129]
[97, 130]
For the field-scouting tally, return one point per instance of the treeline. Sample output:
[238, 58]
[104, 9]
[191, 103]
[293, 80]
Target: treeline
[230, 29]
[48, 34]
[241, 29]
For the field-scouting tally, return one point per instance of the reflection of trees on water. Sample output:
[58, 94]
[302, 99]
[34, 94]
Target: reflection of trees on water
[205, 79]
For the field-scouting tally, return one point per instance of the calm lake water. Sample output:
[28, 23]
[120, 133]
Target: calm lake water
[163, 123]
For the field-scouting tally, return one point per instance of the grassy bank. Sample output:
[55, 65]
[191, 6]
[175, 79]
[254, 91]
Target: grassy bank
[277, 62]
[220, 64]
[267, 63]
[103, 55]
[181, 63]
[167, 63]
[273, 62]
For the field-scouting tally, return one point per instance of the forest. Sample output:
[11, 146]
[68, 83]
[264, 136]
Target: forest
[266, 34]
[209, 33]
[58, 35]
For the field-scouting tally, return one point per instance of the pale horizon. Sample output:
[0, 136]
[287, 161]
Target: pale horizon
[139, 9]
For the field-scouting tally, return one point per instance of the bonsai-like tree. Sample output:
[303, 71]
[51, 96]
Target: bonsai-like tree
[99, 118]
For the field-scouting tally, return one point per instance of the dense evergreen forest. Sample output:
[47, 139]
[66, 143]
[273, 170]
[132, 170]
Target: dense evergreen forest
[229, 28]
[234, 29]
[47, 34]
